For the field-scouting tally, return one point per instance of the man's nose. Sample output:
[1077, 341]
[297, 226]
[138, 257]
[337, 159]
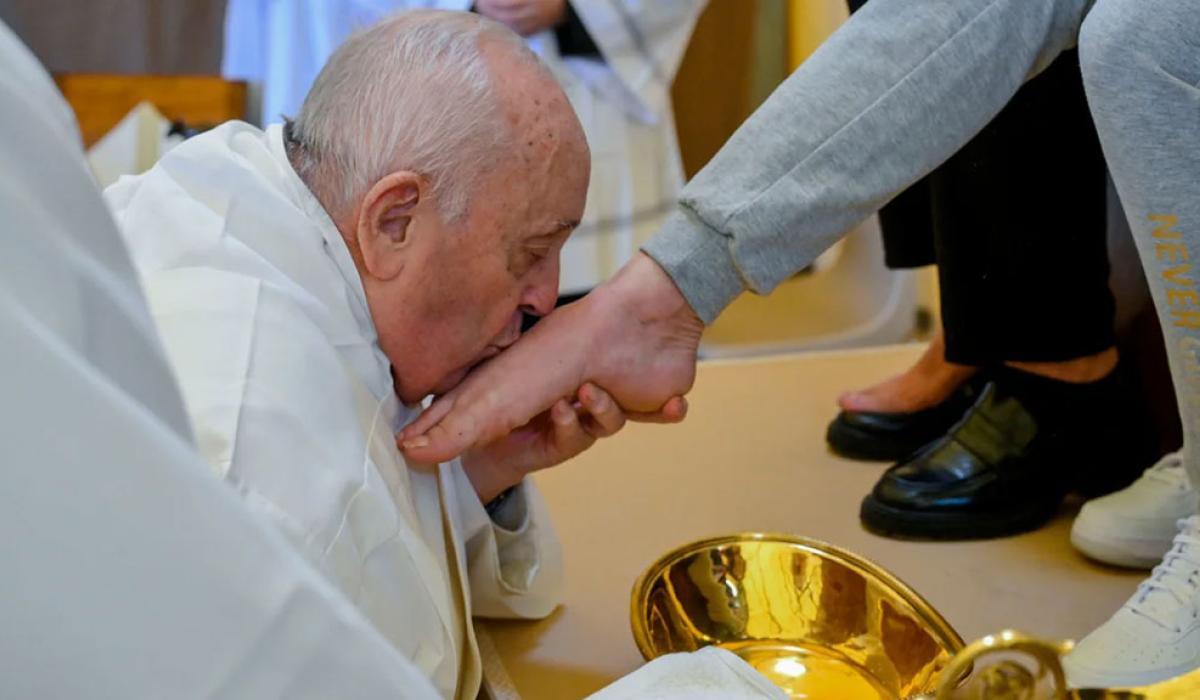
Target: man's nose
[540, 296]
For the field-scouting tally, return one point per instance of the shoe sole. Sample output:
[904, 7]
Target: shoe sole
[1131, 554]
[1081, 677]
[889, 521]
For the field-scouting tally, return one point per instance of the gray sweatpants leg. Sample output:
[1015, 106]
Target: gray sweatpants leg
[1141, 70]
[893, 93]
[901, 87]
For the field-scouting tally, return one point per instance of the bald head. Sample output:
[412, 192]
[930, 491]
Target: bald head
[538, 120]
[449, 95]
[455, 169]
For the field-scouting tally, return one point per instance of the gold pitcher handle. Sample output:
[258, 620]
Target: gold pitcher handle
[1047, 653]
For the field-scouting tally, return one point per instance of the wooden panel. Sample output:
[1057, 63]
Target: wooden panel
[740, 51]
[712, 91]
[101, 100]
[810, 22]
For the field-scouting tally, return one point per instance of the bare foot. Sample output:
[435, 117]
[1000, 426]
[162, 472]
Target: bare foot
[926, 384]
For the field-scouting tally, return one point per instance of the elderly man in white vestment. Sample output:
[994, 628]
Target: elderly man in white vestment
[138, 576]
[314, 282]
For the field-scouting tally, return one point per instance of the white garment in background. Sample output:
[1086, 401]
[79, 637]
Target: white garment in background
[133, 146]
[264, 317]
[623, 102]
[128, 570]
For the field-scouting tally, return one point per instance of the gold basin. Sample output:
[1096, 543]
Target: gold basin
[818, 621]
[823, 623]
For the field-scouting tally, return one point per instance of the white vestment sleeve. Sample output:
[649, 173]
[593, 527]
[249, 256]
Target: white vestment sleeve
[515, 568]
[129, 571]
[643, 41]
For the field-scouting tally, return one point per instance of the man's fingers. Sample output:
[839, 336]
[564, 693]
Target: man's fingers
[441, 433]
[570, 437]
[605, 417]
[673, 411]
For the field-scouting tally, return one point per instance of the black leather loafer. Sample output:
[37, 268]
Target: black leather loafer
[894, 436]
[1006, 465]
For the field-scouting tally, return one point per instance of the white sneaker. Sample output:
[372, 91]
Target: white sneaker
[1156, 634]
[1134, 526]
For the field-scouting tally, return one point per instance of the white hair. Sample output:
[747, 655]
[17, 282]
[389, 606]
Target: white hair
[413, 92]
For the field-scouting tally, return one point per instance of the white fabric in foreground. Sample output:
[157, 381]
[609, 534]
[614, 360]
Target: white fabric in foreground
[129, 572]
[709, 674]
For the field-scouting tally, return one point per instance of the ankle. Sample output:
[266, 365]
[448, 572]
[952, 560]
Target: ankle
[1080, 370]
[914, 390]
[643, 289]
[944, 373]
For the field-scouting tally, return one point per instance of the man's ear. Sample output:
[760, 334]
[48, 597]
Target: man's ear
[384, 222]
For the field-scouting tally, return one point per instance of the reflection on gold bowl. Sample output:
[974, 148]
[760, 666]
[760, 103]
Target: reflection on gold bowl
[817, 620]
[823, 623]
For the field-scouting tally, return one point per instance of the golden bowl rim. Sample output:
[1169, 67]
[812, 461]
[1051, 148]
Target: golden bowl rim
[950, 637]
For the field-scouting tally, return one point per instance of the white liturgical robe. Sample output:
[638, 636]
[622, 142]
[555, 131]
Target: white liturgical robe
[128, 570]
[264, 317]
[622, 97]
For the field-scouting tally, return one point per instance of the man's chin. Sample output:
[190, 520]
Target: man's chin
[451, 380]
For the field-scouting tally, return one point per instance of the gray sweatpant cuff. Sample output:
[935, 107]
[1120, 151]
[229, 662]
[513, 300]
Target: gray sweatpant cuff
[698, 259]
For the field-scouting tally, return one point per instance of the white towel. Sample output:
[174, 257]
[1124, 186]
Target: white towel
[709, 674]
[131, 147]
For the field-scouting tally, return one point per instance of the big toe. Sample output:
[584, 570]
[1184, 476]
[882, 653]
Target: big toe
[856, 401]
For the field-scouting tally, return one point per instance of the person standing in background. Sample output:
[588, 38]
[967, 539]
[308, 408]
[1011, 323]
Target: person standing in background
[616, 62]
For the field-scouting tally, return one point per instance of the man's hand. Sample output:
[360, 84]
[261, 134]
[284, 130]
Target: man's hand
[525, 17]
[635, 335]
[551, 438]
